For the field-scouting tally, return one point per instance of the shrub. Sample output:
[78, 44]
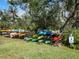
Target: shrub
[75, 33]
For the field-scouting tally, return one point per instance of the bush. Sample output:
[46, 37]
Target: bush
[75, 33]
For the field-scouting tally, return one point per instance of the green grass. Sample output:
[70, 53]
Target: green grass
[19, 49]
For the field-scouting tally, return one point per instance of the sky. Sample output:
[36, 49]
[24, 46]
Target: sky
[3, 4]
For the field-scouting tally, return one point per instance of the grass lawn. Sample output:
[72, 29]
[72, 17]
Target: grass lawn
[19, 49]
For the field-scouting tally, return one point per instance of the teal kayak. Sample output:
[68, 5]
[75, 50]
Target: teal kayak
[34, 40]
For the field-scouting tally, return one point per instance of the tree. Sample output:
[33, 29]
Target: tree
[71, 6]
[44, 13]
